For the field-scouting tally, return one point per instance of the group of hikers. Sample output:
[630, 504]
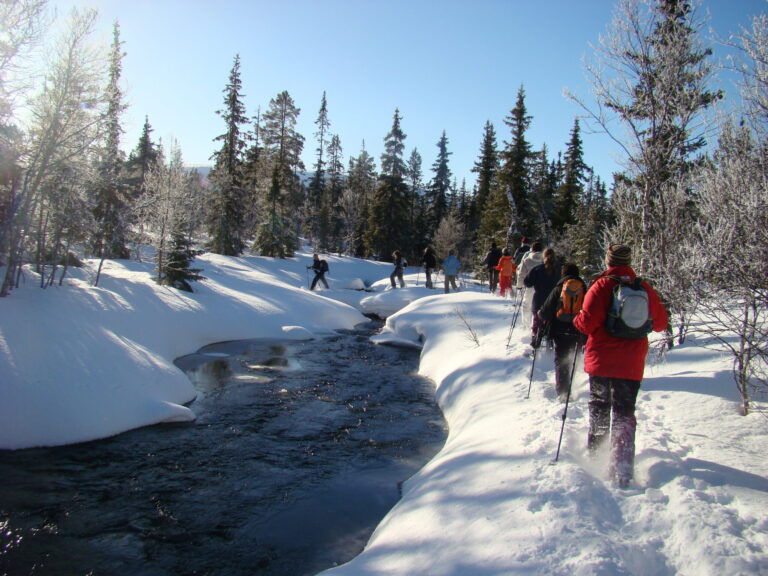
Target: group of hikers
[609, 319]
[451, 266]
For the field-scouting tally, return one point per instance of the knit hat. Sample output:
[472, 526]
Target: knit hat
[618, 255]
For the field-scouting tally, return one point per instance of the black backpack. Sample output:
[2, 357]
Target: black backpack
[323, 266]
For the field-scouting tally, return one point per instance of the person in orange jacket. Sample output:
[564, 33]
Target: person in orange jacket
[615, 365]
[507, 269]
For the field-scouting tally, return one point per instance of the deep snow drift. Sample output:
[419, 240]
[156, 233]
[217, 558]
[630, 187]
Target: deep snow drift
[79, 363]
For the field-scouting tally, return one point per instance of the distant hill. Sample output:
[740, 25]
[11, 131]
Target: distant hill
[202, 170]
[305, 177]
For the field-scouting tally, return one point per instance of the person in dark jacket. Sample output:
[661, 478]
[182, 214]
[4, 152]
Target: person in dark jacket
[561, 331]
[524, 247]
[399, 263]
[429, 261]
[542, 279]
[615, 365]
[320, 267]
[491, 261]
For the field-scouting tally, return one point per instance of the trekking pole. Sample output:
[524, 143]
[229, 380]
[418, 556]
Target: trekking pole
[567, 400]
[417, 276]
[533, 363]
[515, 314]
[307, 277]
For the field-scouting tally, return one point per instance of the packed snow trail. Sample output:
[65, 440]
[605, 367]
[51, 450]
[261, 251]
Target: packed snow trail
[494, 502]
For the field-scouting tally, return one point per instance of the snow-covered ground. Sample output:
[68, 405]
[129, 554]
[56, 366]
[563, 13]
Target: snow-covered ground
[79, 363]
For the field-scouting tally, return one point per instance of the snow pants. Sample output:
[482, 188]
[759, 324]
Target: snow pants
[525, 314]
[505, 283]
[397, 273]
[565, 347]
[428, 273]
[612, 408]
[319, 277]
[493, 279]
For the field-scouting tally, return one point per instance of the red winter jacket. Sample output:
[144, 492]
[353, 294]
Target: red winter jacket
[607, 355]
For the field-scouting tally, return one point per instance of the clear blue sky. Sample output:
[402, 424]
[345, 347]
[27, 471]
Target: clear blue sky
[446, 64]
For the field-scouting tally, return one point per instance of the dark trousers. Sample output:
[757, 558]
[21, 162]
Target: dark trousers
[428, 272]
[493, 279]
[565, 348]
[612, 409]
[319, 277]
[397, 273]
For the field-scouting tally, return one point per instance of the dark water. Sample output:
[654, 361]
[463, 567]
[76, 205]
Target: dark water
[297, 453]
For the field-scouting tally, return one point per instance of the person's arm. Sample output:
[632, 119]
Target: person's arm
[595, 309]
[658, 311]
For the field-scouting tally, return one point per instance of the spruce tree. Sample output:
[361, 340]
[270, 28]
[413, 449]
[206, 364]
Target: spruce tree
[487, 166]
[278, 234]
[110, 204]
[514, 174]
[141, 159]
[440, 185]
[177, 270]
[392, 163]
[319, 216]
[356, 200]
[227, 210]
[388, 217]
[417, 202]
[575, 175]
[334, 189]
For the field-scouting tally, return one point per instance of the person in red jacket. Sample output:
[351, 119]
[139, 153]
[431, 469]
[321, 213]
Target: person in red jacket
[615, 365]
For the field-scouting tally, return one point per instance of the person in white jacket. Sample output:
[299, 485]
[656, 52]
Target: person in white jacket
[532, 258]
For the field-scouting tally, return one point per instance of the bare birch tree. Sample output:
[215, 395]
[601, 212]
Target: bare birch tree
[63, 127]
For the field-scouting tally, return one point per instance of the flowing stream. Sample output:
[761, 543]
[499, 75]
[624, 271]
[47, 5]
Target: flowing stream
[298, 451]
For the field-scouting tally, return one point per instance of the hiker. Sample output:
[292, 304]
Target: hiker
[451, 267]
[430, 263]
[506, 269]
[615, 365]
[557, 314]
[531, 259]
[320, 267]
[491, 261]
[400, 263]
[521, 250]
[542, 280]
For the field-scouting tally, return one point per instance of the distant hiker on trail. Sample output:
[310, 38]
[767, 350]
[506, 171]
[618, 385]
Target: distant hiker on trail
[429, 261]
[491, 261]
[451, 267]
[506, 269]
[320, 267]
[400, 264]
[557, 314]
[521, 250]
[542, 279]
[615, 364]
[531, 259]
